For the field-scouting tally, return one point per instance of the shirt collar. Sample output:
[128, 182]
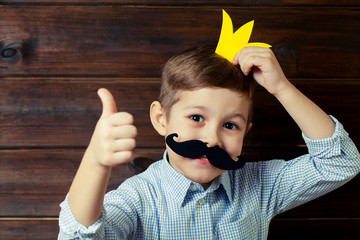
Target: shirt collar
[226, 182]
[177, 185]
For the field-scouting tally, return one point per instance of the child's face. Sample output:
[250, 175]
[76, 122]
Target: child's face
[216, 116]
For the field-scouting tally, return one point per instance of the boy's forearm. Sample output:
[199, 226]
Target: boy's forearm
[87, 191]
[311, 119]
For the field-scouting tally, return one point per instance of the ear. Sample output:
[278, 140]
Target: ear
[248, 128]
[158, 118]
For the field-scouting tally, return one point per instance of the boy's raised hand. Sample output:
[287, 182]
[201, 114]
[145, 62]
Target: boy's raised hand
[311, 119]
[114, 136]
[264, 66]
[111, 143]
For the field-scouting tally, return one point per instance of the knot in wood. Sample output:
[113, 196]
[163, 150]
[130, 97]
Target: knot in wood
[8, 53]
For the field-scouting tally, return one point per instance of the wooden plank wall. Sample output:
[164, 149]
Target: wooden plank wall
[56, 54]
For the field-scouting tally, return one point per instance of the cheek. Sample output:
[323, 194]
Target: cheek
[234, 147]
[177, 125]
[184, 132]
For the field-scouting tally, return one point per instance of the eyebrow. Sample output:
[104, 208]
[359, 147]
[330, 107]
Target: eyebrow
[198, 107]
[240, 115]
[232, 115]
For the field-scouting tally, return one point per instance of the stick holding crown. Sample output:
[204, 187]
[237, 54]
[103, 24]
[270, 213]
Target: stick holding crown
[231, 43]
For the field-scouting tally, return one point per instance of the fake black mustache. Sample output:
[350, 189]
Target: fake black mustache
[217, 156]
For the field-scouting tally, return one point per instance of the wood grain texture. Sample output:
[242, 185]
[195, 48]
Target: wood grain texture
[34, 111]
[190, 2]
[131, 41]
[25, 229]
[54, 55]
[62, 112]
[329, 229]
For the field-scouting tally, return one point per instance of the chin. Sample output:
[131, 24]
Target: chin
[199, 178]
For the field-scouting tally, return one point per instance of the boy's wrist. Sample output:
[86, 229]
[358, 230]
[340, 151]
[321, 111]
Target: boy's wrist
[284, 90]
[91, 160]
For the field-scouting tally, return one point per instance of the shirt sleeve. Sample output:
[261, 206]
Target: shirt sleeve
[331, 162]
[117, 221]
[70, 228]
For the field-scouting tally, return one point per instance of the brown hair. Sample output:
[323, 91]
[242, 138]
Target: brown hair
[197, 68]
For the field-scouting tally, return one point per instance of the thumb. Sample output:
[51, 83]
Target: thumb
[108, 102]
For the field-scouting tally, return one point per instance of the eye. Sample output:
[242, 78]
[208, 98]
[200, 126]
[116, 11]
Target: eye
[197, 118]
[231, 126]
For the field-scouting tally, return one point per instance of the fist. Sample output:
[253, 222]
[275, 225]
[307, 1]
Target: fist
[113, 139]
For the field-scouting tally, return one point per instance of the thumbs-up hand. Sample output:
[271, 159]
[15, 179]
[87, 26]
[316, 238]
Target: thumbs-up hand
[114, 136]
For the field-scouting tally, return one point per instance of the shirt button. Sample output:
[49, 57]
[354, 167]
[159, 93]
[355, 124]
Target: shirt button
[202, 201]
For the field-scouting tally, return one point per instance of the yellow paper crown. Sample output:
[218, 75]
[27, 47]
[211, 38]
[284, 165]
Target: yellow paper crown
[231, 43]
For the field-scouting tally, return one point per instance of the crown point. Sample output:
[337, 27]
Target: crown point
[229, 42]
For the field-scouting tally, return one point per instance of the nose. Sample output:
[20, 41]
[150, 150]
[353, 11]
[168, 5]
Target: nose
[212, 137]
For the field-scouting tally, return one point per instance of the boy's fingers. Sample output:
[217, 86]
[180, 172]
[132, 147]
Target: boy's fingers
[236, 58]
[242, 59]
[117, 158]
[249, 61]
[124, 145]
[108, 102]
[249, 57]
[121, 118]
[121, 132]
[239, 55]
[122, 156]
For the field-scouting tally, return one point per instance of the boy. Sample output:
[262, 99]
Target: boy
[205, 97]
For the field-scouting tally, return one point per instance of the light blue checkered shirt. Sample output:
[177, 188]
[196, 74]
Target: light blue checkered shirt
[160, 203]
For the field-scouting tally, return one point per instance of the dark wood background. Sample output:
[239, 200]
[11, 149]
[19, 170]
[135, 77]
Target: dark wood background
[54, 55]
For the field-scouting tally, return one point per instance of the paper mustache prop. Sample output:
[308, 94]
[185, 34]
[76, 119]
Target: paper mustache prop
[217, 156]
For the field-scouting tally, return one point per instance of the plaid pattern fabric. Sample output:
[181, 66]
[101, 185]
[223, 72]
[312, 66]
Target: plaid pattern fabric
[160, 203]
